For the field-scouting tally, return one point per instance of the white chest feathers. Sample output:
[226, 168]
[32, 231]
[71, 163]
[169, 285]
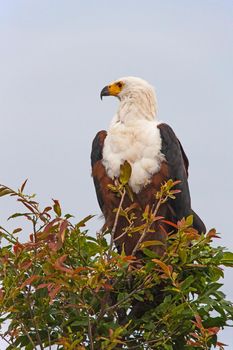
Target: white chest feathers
[139, 143]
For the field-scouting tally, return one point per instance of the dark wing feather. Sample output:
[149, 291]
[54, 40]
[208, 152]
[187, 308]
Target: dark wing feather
[185, 158]
[96, 158]
[97, 147]
[178, 170]
[107, 199]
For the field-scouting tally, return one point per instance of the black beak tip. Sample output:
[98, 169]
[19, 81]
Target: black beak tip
[104, 92]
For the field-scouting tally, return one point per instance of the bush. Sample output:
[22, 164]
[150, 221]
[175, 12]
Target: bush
[65, 289]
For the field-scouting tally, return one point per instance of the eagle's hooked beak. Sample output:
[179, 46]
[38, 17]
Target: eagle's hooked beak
[104, 92]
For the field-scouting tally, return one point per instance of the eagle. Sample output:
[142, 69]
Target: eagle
[155, 155]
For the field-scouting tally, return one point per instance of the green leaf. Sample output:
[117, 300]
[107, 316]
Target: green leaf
[16, 215]
[113, 188]
[189, 220]
[125, 173]
[214, 322]
[5, 191]
[187, 283]
[172, 289]
[80, 322]
[83, 222]
[57, 207]
[151, 243]
[68, 216]
[150, 253]
[129, 192]
[216, 273]
[183, 255]
[17, 230]
[138, 297]
[227, 259]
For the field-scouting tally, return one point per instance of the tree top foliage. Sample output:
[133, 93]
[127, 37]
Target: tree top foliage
[65, 288]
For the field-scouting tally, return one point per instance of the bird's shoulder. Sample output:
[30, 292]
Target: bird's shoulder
[97, 146]
[171, 145]
[166, 132]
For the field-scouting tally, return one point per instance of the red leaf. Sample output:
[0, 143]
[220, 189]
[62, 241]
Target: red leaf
[47, 209]
[176, 182]
[79, 269]
[175, 191]
[198, 322]
[25, 265]
[192, 234]
[107, 286]
[170, 223]
[193, 343]
[166, 269]
[18, 248]
[29, 280]
[48, 227]
[44, 285]
[53, 246]
[194, 335]
[53, 289]
[163, 229]
[62, 230]
[181, 224]
[110, 331]
[59, 265]
[128, 258]
[213, 330]
[157, 218]
[1, 293]
[54, 292]
[212, 234]
[220, 344]
[28, 206]
[23, 185]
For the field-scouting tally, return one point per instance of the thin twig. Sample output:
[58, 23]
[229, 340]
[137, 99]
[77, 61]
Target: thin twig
[28, 335]
[116, 222]
[6, 233]
[100, 234]
[33, 320]
[146, 229]
[90, 333]
[49, 339]
[124, 233]
[152, 342]
[103, 306]
[138, 289]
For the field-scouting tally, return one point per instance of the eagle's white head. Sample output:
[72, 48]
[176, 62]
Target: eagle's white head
[137, 98]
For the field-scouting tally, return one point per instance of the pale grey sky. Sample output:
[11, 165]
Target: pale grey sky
[55, 57]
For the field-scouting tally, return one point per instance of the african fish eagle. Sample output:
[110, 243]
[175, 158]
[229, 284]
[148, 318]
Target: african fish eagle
[155, 155]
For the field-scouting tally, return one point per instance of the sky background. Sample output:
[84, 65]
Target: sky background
[56, 56]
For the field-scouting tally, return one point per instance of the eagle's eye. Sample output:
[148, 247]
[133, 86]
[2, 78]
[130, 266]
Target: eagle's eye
[119, 85]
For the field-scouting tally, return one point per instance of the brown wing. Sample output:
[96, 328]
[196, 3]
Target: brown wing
[106, 198]
[96, 164]
[178, 170]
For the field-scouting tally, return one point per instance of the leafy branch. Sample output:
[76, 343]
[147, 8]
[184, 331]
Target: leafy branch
[65, 289]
